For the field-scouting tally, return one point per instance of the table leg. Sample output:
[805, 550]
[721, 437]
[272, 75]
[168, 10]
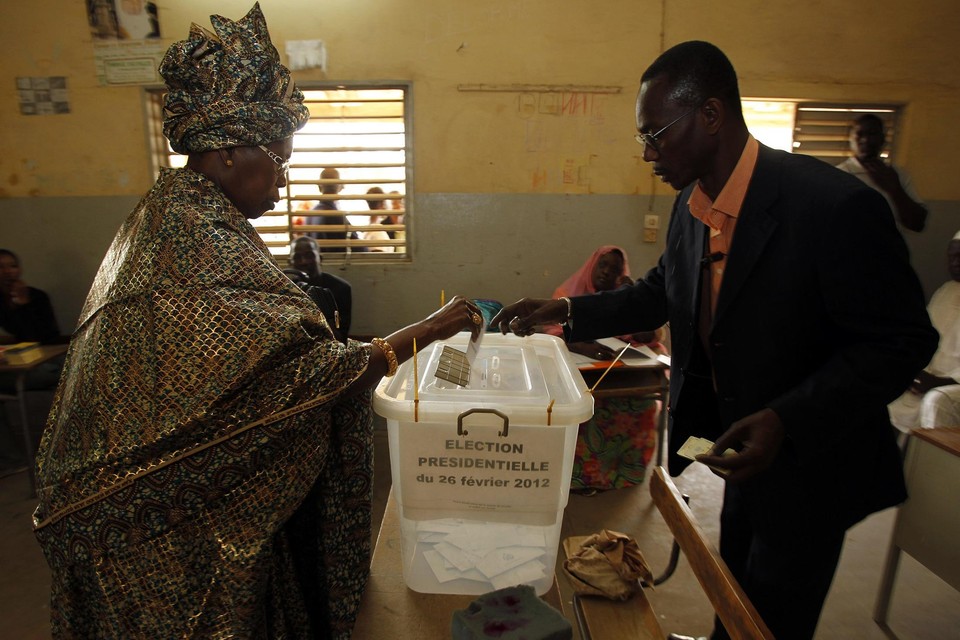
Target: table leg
[25, 426]
[662, 421]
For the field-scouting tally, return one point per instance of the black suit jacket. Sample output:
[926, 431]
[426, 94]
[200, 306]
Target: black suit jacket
[820, 317]
[342, 293]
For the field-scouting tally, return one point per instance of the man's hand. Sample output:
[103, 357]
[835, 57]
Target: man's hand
[911, 214]
[882, 174]
[756, 439]
[523, 316]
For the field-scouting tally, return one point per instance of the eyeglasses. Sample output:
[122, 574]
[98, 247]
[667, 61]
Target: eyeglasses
[282, 165]
[652, 140]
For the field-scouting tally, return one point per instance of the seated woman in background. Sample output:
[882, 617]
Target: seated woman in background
[605, 270]
[25, 312]
[615, 446]
[26, 315]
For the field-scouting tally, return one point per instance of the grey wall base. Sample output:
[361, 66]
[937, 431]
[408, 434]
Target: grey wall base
[500, 246]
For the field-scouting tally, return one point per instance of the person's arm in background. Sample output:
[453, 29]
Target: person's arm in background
[926, 381]
[911, 214]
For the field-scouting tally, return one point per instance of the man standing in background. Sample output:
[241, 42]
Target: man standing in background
[330, 187]
[867, 138]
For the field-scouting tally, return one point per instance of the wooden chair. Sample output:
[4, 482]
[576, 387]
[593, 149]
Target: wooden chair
[600, 619]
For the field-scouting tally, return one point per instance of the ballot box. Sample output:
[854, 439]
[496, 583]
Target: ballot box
[481, 470]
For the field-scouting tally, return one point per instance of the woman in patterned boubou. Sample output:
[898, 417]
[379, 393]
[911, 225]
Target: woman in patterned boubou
[206, 467]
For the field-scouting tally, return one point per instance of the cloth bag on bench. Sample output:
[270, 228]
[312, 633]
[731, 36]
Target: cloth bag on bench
[608, 564]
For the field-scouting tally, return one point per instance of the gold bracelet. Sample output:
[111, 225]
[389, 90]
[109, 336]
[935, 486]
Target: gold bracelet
[388, 353]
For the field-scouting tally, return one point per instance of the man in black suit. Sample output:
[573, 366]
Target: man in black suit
[305, 257]
[795, 317]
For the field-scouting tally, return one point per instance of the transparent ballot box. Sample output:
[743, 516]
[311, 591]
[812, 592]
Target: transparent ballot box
[481, 472]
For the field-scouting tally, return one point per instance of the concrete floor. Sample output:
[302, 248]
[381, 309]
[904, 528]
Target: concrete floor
[923, 606]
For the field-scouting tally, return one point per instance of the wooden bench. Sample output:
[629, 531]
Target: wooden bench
[601, 619]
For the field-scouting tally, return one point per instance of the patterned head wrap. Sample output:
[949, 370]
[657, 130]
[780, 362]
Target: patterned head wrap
[228, 89]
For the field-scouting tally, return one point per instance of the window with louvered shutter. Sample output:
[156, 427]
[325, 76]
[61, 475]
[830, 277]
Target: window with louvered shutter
[362, 131]
[819, 129]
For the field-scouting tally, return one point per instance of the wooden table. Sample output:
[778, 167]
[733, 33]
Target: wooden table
[391, 610]
[645, 382]
[20, 371]
[928, 523]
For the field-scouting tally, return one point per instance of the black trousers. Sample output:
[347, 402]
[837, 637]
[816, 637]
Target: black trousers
[785, 564]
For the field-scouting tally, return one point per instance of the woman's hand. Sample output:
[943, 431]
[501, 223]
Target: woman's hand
[523, 316]
[457, 315]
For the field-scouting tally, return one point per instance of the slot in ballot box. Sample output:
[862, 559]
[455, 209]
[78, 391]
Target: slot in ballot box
[481, 472]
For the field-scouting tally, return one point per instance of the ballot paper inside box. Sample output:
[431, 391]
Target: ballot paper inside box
[481, 472]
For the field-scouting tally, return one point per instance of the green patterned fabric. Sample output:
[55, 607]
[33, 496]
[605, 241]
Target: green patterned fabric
[228, 88]
[615, 446]
[202, 473]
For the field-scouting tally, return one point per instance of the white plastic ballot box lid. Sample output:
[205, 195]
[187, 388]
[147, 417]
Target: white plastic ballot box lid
[532, 380]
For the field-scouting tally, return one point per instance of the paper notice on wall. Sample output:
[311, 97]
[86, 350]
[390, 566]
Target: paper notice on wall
[306, 54]
[122, 62]
[43, 95]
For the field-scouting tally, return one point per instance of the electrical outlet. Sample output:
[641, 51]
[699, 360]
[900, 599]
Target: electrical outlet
[651, 221]
[649, 235]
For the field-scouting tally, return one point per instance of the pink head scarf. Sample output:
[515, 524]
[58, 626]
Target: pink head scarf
[581, 282]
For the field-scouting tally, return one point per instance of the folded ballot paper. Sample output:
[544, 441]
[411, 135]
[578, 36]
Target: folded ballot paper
[695, 446]
[455, 366]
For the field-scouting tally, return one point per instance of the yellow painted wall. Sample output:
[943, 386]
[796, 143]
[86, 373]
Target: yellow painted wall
[481, 142]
